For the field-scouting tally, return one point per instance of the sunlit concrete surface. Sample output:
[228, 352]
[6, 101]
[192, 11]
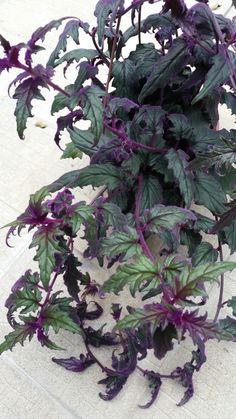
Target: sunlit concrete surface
[31, 386]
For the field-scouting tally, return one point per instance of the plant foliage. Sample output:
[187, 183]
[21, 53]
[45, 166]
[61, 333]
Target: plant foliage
[154, 151]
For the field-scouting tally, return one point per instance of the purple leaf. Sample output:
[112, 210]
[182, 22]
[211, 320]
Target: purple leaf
[67, 121]
[71, 30]
[74, 364]
[155, 386]
[106, 12]
[4, 64]
[25, 93]
[40, 34]
[178, 7]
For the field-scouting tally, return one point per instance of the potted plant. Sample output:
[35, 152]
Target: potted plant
[159, 163]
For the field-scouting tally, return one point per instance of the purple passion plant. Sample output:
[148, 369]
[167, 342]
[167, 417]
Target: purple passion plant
[154, 152]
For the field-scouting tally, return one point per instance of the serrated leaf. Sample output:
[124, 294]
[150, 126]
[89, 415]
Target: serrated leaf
[46, 241]
[61, 101]
[133, 320]
[166, 68]
[121, 243]
[208, 192]
[26, 299]
[125, 78]
[133, 275]
[71, 30]
[229, 236]
[77, 55]
[105, 8]
[24, 94]
[40, 34]
[19, 335]
[112, 215]
[166, 217]
[75, 364]
[83, 140]
[232, 303]
[191, 277]
[144, 58]
[71, 276]
[228, 328]
[228, 99]
[90, 100]
[151, 313]
[204, 253]
[152, 192]
[58, 319]
[71, 152]
[78, 214]
[218, 74]
[99, 175]
[178, 162]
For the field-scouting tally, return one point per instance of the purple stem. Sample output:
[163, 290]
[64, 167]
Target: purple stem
[222, 281]
[124, 137]
[30, 71]
[153, 374]
[143, 242]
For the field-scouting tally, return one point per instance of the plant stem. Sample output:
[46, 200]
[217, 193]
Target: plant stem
[100, 52]
[139, 24]
[222, 280]
[143, 242]
[49, 292]
[134, 143]
[153, 374]
[30, 71]
[113, 50]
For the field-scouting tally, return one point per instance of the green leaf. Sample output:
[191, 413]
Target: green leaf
[229, 234]
[125, 78]
[218, 74]
[27, 300]
[232, 304]
[204, 253]
[112, 215]
[144, 58]
[152, 192]
[19, 335]
[161, 217]
[151, 313]
[166, 67]
[58, 319]
[102, 12]
[71, 152]
[228, 99]
[61, 101]
[24, 94]
[77, 55]
[172, 267]
[228, 328]
[46, 241]
[208, 192]
[71, 30]
[99, 175]
[133, 275]
[79, 214]
[181, 127]
[90, 101]
[83, 140]
[120, 242]
[132, 320]
[203, 223]
[178, 162]
[191, 277]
